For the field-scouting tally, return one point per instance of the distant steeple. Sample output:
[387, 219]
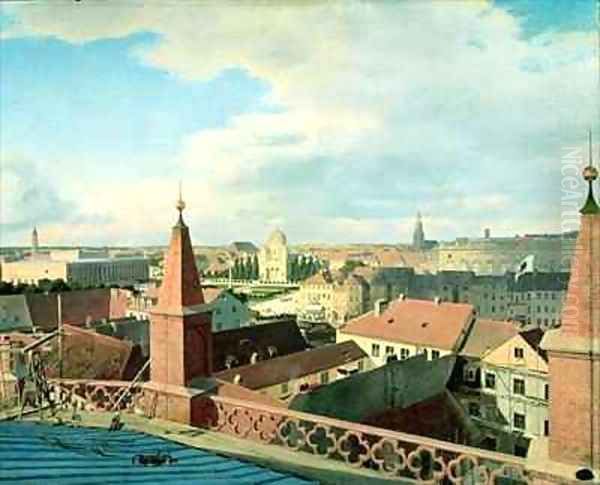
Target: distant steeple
[419, 233]
[35, 243]
[590, 174]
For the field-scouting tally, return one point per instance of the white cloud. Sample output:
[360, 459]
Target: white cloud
[447, 97]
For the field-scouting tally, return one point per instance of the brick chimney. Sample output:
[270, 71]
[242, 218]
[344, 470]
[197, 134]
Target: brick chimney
[180, 330]
[574, 349]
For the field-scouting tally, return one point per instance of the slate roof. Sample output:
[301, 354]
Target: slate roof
[487, 335]
[77, 307]
[244, 247]
[399, 384]
[14, 313]
[242, 342]
[534, 338]
[90, 355]
[418, 322]
[275, 371]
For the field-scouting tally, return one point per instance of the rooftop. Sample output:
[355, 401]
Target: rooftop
[283, 369]
[32, 452]
[486, 335]
[419, 322]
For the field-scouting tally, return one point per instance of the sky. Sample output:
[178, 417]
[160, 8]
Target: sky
[334, 121]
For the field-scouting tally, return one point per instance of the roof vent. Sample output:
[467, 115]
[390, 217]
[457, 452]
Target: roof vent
[237, 379]
[391, 320]
[437, 300]
[402, 297]
[380, 306]
[424, 324]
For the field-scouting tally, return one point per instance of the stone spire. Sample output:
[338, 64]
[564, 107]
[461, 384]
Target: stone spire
[181, 284]
[35, 243]
[180, 329]
[574, 348]
[419, 233]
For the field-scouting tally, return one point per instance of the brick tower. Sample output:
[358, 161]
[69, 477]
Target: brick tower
[180, 332]
[574, 349]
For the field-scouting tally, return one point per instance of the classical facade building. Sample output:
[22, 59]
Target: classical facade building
[273, 259]
[86, 267]
[498, 255]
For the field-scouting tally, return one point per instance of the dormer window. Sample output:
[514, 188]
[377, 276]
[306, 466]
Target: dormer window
[519, 353]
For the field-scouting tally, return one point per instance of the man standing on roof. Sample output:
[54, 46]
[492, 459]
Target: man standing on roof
[20, 372]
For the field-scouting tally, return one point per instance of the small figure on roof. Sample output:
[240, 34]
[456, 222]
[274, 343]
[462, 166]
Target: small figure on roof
[115, 423]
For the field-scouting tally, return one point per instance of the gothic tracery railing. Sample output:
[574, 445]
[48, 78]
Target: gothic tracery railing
[393, 454]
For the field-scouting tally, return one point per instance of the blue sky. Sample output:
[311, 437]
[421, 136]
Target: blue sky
[337, 133]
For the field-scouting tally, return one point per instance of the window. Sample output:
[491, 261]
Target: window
[519, 387]
[490, 380]
[404, 354]
[546, 392]
[389, 350]
[324, 377]
[519, 353]
[546, 427]
[361, 365]
[425, 353]
[233, 309]
[285, 388]
[519, 421]
[474, 409]
[375, 350]
[435, 354]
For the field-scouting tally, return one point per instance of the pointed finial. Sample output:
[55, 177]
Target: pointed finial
[590, 174]
[180, 205]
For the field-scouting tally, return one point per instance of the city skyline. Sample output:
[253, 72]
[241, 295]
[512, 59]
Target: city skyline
[338, 133]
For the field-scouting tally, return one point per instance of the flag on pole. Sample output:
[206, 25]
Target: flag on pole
[526, 266]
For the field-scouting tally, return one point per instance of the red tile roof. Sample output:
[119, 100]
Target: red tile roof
[418, 322]
[487, 335]
[90, 355]
[275, 371]
[181, 285]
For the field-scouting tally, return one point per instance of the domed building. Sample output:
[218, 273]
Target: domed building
[273, 259]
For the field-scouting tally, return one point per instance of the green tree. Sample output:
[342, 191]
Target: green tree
[255, 271]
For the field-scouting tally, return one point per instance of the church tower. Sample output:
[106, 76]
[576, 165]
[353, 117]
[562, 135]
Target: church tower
[35, 243]
[180, 330]
[419, 234]
[574, 348]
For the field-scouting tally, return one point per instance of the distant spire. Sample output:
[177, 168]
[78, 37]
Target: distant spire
[34, 240]
[180, 206]
[590, 174]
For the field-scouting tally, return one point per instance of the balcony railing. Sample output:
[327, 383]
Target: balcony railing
[393, 454]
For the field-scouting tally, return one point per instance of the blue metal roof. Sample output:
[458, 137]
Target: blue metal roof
[32, 453]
